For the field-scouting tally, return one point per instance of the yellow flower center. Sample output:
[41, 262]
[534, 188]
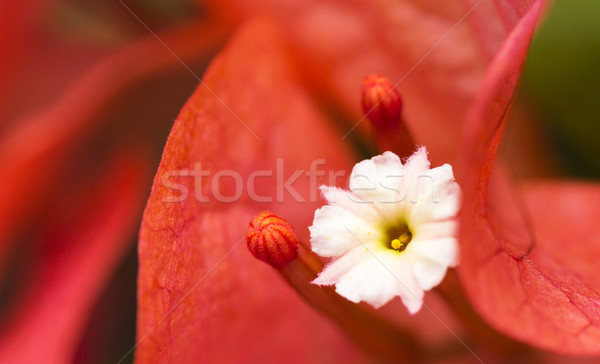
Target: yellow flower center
[401, 241]
[398, 237]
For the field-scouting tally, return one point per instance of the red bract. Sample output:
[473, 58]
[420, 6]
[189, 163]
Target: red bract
[53, 135]
[76, 255]
[437, 53]
[526, 261]
[201, 296]
[74, 171]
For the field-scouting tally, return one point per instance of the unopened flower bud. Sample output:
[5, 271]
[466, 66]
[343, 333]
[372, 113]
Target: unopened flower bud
[272, 239]
[381, 103]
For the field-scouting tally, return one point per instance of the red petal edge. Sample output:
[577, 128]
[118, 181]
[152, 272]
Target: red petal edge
[202, 296]
[515, 267]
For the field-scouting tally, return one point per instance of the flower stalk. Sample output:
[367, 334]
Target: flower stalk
[372, 332]
[382, 105]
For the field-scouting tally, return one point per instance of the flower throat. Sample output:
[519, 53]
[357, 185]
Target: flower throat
[398, 236]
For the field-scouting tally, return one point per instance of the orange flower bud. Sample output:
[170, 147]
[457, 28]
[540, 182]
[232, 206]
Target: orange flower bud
[272, 239]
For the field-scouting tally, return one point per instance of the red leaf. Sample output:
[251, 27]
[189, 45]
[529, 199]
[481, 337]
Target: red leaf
[202, 296]
[525, 263]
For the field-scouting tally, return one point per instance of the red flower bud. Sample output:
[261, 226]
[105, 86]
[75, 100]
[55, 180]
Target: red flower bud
[381, 103]
[272, 239]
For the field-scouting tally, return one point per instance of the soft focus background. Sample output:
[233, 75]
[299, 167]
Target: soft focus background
[561, 90]
[67, 91]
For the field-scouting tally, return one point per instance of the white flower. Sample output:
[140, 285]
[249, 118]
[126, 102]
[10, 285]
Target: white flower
[392, 234]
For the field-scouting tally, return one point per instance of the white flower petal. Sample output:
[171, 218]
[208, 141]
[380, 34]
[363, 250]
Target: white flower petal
[379, 179]
[436, 197]
[363, 177]
[336, 230]
[351, 202]
[369, 282]
[416, 167]
[428, 273]
[435, 230]
[380, 279]
[410, 292]
[442, 251]
[333, 271]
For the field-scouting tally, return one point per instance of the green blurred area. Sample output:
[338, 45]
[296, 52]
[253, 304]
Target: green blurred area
[562, 79]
